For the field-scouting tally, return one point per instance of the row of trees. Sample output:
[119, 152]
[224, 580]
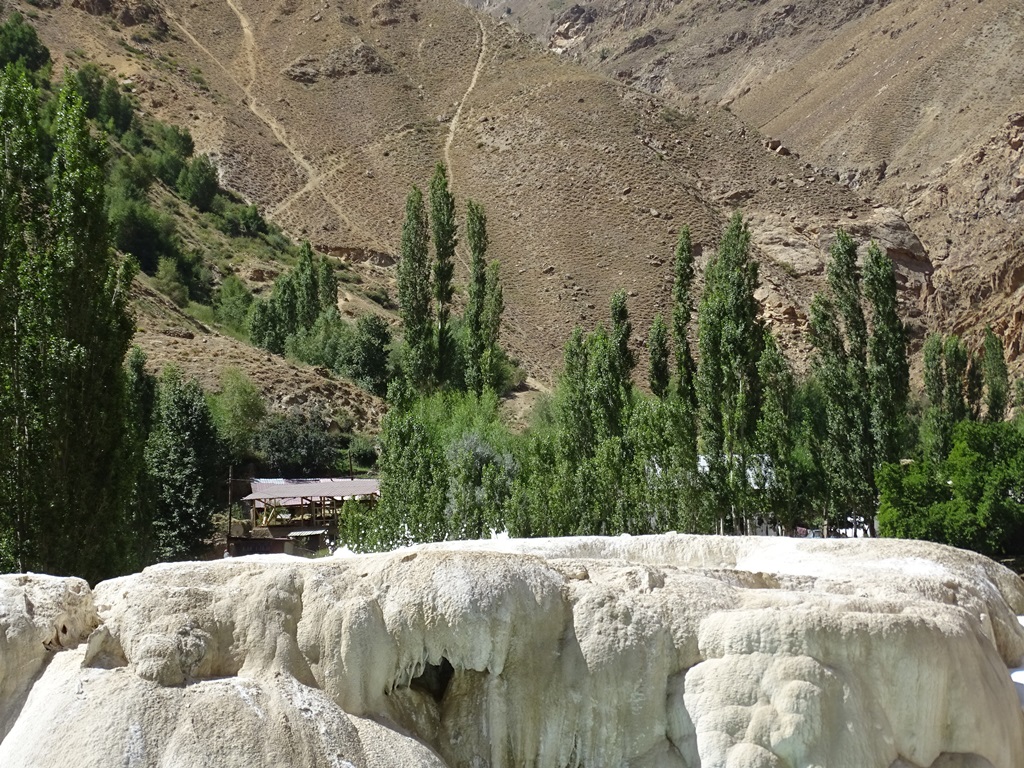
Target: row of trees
[729, 443]
[439, 352]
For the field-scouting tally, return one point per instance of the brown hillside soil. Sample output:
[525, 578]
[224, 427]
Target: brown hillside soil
[915, 104]
[169, 336]
[325, 114]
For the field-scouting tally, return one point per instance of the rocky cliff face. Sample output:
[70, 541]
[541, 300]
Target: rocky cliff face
[655, 651]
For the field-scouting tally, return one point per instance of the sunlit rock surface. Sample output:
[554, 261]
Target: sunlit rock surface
[650, 651]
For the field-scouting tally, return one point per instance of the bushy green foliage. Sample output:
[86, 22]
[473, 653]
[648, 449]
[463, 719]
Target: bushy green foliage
[368, 359]
[238, 412]
[168, 281]
[137, 229]
[168, 148]
[325, 343]
[297, 444]
[973, 499]
[237, 219]
[232, 303]
[197, 182]
[104, 101]
[445, 468]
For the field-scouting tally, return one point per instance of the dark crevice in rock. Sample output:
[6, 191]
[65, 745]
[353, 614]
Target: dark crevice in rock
[434, 680]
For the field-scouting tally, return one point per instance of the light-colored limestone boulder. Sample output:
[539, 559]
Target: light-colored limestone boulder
[648, 651]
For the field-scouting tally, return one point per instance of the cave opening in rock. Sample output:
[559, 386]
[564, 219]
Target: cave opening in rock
[434, 680]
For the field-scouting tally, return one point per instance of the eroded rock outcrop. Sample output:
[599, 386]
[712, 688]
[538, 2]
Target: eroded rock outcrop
[650, 651]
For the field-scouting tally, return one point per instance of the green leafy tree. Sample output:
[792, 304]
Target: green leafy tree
[115, 109]
[937, 424]
[623, 360]
[306, 290]
[267, 326]
[169, 282]
[443, 226]
[997, 380]
[657, 352]
[326, 284]
[19, 44]
[414, 292]
[232, 303]
[577, 437]
[138, 230]
[971, 499]
[64, 332]
[369, 357]
[238, 411]
[172, 147]
[183, 455]
[662, 486]
[948, 387]
[140, 402]
[476, 235]
[303, 305]
[328, 342]
[197, 182]
[413, 477]
[956, 381]
[730, 337]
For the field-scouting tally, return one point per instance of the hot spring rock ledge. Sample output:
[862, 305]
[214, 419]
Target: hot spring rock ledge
[650, 651]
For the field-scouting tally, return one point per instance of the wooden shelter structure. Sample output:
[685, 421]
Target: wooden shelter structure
[297, 517]
[307, 503]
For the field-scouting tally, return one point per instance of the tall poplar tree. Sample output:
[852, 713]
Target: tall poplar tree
[936, 425]
[414, 292]
[443, 226]
[730, 336]
[65, 332]
[476, 235]
[839, 336]
[864, 378]
[774, 469]
[623, 360]
[888, 369]
[997, 381]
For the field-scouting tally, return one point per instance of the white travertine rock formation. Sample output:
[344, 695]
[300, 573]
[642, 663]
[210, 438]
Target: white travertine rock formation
[650, 651]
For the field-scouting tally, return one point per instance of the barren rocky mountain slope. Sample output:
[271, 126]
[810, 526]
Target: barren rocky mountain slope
[915, 104]
[325, 113]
